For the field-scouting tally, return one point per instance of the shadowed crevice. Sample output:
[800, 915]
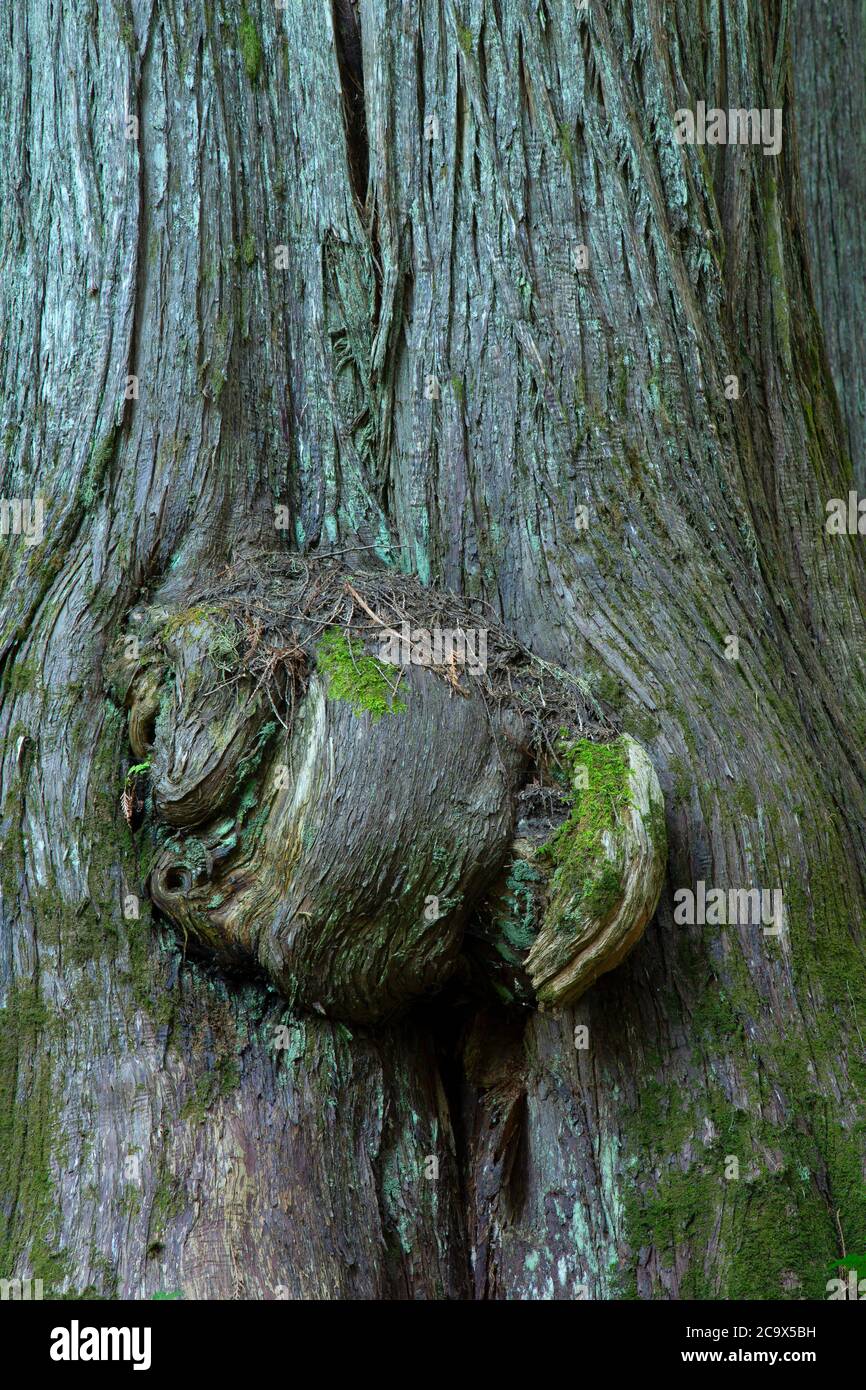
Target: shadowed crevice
[350, 60]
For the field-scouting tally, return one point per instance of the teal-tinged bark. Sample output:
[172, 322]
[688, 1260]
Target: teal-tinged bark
[829, 43]
[375, 335]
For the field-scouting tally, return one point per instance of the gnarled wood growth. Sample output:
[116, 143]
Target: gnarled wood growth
[332, 820]
[382, 328]
[610, 857]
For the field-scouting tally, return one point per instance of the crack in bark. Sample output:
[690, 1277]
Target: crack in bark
[350, 60]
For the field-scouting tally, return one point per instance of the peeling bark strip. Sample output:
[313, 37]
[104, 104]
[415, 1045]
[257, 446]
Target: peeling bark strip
[434, 291]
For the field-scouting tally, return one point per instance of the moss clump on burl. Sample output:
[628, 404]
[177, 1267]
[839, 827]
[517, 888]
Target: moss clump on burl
[354, 676]
[584, 880]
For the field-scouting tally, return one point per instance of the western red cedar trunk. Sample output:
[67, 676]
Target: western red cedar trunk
[830, 87]
[436, 376]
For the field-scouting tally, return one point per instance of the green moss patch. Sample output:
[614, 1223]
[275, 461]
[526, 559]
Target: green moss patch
[29, 1130]
[362, 680]
[584, 880]
[251, 46]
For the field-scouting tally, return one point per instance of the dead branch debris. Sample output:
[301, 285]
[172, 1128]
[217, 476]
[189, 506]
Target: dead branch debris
[280, 606]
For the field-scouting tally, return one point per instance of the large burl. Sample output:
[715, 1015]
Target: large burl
[336, 820]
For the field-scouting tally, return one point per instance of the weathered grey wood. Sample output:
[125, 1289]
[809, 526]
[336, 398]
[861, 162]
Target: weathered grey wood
[305, 1168]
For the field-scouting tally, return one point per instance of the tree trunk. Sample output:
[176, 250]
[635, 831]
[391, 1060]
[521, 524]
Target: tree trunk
[830, 83]
[338, 247]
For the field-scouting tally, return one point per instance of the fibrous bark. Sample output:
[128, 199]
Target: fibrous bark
[830, 78]
[411, 360]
